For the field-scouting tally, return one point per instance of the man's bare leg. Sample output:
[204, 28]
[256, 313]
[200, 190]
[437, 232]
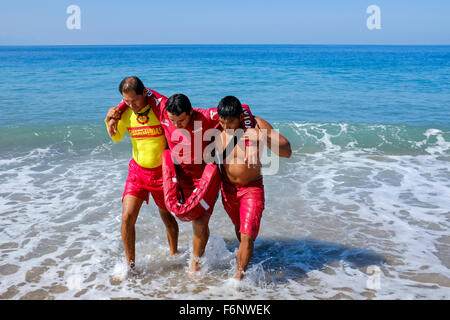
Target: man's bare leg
[244, 254]
[131, 206]
[200, 239]
[171, 229]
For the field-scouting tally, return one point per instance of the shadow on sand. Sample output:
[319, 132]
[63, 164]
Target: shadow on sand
[284, 259]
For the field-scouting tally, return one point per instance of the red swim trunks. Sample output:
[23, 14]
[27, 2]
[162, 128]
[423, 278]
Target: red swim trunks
[244, 205]
[142, 181]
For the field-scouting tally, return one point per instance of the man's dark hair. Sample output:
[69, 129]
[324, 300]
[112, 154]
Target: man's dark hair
[229, 107]
[131, 84]
[178, 103]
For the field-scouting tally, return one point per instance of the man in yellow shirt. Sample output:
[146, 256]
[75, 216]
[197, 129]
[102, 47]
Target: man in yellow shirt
[145, 171]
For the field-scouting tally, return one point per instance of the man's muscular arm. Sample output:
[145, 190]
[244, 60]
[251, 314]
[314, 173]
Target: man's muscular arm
[273, 139]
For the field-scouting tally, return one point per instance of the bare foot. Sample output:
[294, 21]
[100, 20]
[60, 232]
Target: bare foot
[116, 280]
[194, 275]
[124, 274]
[195, 264]
[234, 283]
[172, 257]
[194, 269]
[239, 274]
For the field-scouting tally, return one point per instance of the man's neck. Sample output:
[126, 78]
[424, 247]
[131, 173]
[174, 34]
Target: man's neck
[142, 110]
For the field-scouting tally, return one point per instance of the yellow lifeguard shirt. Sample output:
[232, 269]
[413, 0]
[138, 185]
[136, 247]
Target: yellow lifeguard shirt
[147, 137]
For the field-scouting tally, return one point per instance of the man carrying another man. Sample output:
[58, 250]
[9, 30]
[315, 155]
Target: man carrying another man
[242, 185]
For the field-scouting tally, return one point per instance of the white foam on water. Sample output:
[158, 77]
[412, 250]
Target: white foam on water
[397, 207]
[441, 144]
[341, 223]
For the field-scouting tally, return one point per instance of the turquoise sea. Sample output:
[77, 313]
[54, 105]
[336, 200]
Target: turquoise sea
[361, 210]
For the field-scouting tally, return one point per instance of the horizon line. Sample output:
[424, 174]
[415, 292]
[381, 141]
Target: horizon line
[223, 44]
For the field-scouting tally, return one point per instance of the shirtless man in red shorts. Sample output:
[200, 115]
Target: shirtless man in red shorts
[242, 182]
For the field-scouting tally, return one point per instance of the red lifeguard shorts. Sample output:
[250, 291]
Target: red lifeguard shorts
[244, 205]
[142, 181]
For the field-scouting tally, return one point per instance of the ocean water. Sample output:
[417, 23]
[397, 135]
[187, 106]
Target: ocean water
[360, 211]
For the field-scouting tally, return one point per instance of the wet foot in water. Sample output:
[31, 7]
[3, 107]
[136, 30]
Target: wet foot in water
[194, 268]
[124, 274]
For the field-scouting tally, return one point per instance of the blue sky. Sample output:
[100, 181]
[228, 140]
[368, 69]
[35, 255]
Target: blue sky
[43, 22]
